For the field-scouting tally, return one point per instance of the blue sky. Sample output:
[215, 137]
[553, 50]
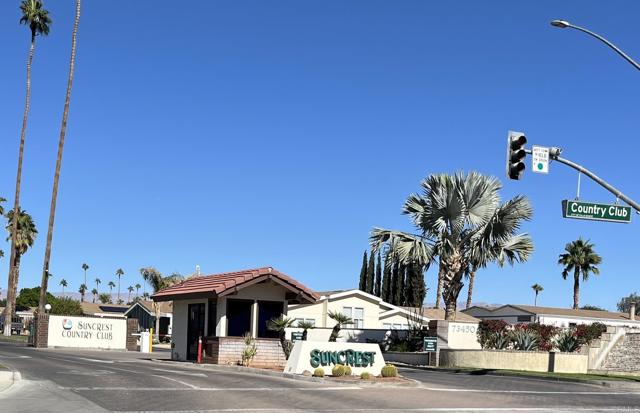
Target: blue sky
[251, 133]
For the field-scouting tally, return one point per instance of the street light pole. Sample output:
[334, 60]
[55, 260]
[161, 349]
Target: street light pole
[563, 24]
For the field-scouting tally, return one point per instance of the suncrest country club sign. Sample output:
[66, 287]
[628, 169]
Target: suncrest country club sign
[349, 357]
[307, 356]
[87, 332]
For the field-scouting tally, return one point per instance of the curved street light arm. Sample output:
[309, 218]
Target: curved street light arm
[607, 42]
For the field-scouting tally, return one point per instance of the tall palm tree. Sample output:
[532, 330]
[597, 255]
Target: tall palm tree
[130, 289]
[340, 320]
[38, 20]
[537, 288]
[461, 220]
[145, 279]
[119, 274]
[2, 214]
[94, 292]
[82, 290]
[580, 258]
[25, 235]
[98, 282]
[63, 283]
[56, 176]
[111, 284]
[85, 267]
[157, 282]
[137, 288]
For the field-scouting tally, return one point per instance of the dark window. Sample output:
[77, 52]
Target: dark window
[524, 318]
[211, 321]
[195, 329]
[238, 317]
[266, 311]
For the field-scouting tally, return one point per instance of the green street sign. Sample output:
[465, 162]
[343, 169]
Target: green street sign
[430, 344]
[296, 336]
[596, 212]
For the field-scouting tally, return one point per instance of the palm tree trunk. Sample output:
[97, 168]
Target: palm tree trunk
[13, 273]
[14, 284]
[472, 277]
[156, 333]
[576, 289]
[535, 300]
[56, 177]
[440, 284]
[452, 284]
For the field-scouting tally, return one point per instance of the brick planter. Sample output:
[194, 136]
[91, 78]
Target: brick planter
[228, 350]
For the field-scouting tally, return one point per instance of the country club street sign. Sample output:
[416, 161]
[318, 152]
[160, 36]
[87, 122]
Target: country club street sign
[540, 159]
[596, 212]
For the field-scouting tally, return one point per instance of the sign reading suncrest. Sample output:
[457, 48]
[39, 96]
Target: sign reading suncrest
[348, 357]
[87, 332]
[596, 212]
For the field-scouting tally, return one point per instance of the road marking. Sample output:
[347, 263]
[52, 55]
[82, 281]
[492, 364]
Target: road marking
[525, 391]
[14, 357]
[178, 381]
[87, 373]
[211, 389]
[98, 361]
[423, 409]
[182, 372]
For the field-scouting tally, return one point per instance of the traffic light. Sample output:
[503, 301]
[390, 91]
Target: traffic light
[515, 154]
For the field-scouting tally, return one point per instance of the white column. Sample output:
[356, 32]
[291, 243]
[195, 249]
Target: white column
[221, 315]
[254, 319]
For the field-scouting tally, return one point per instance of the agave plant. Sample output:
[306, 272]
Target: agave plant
[525, 340]
[501, 341]
[567, 342]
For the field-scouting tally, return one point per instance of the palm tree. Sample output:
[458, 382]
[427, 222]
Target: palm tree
[145, 278]
[461, 220]
[130, 289]
[137, 288]
[111, 284]
[157, 283]
[38, 20]
[537, 288]
[85, 267]
[82, 290]
[340, 320]
[104, 298]
[119, 274]
[63, 283]
[95, 294]
[56, 176]
[305, 325]
[2, 214]
[280, 324]
[98, 282]
[145, 296]
[581, 259]
[25, 235]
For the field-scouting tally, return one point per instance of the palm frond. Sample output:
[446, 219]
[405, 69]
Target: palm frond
[407, 248]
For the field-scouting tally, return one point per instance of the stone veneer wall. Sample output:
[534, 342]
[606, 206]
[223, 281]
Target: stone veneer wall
[132, 328]
[625, 355]
[41, 340]
[228, 350]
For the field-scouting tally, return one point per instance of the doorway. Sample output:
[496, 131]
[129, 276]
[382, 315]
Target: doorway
[195, 329]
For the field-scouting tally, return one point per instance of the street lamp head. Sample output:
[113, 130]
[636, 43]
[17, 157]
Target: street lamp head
[563, 24]
[47, 307]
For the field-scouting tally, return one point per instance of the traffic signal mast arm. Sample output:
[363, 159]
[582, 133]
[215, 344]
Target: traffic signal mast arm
[554, 154]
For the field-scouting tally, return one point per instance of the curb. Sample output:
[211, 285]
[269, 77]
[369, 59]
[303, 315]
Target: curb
[291, 376]
[498, 373]
[10, 376]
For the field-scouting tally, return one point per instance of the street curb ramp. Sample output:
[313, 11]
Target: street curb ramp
[8, 378]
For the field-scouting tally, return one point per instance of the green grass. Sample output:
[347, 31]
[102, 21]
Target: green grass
[594, 377]
[21, 339]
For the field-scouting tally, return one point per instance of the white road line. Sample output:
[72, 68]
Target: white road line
[424, 409]
[178, 381]
[211, 389]
[98, 361]
[526, 391]
[185, 373]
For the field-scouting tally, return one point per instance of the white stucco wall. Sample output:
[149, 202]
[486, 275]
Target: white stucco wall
[179, 327]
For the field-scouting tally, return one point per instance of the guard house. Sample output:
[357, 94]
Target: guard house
[223, 307]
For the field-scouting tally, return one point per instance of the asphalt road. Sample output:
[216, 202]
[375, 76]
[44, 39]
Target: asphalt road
[57, 380]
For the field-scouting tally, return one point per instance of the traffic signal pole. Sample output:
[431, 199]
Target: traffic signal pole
[554, 154]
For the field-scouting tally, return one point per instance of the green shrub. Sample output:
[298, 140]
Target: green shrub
[319, 372]
[587, 333]
[338, 370]
[365, 375]
[347, 371]
[546, 334]
[525, 340]
[567, 342]
[489, 331]
[389, 370]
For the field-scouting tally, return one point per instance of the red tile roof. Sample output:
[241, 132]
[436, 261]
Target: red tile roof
[225, 283]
